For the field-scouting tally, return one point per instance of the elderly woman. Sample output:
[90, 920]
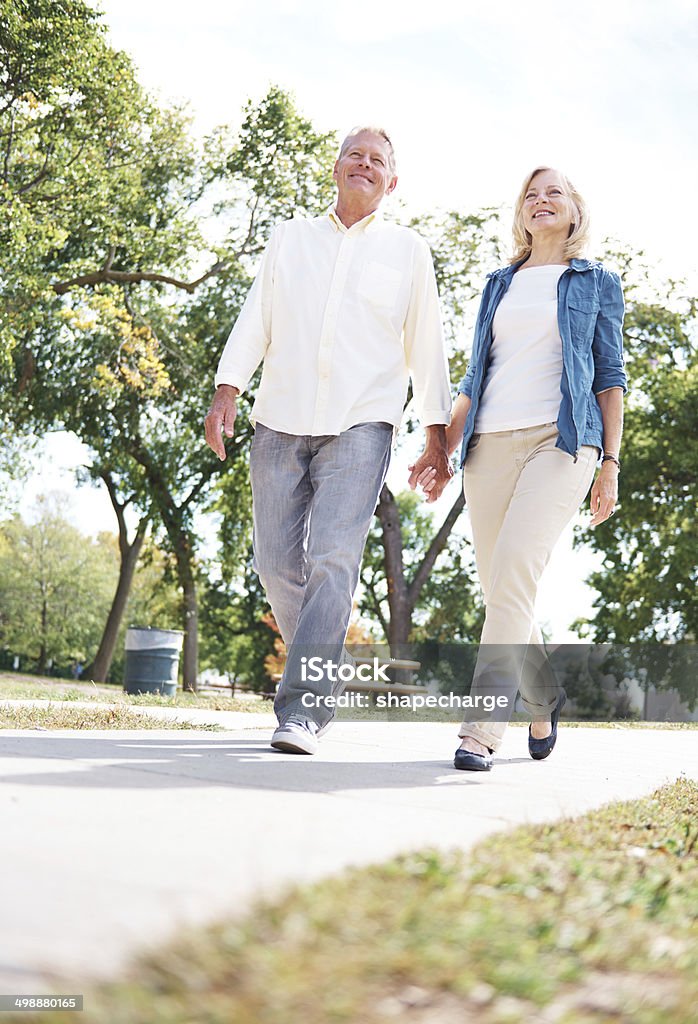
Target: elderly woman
[541, 401]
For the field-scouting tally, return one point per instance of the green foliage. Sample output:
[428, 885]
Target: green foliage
[55, 588]
[648, 584]
[465, 247]
[449, 608]
[104, 198]
[235, 638]
[277, 166]
[75, 130]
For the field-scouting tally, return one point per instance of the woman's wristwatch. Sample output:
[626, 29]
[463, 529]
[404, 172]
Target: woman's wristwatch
[611, 458]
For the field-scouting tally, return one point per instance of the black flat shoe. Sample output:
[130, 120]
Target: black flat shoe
[539, 749]
[467, 761]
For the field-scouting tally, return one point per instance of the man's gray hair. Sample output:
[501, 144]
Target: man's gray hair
[373, 130]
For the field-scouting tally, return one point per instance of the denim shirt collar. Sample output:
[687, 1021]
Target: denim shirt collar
[506, 273]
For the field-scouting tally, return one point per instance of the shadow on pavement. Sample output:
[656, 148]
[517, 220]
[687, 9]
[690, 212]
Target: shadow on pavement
[166, 763]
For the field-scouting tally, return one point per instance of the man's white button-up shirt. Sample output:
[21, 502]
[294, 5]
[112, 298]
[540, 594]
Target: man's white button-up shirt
[342, 319]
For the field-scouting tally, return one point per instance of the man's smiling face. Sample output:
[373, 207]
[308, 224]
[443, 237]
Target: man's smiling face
[363, 171]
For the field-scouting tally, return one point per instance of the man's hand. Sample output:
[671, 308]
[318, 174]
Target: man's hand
[221, 418]
[433, 468]
[604, 494]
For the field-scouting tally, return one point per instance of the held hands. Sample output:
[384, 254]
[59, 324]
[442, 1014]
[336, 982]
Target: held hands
[432, 471]
[604, 494]
[221, 417]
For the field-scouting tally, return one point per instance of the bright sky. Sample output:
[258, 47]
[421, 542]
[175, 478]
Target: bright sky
[474, 95]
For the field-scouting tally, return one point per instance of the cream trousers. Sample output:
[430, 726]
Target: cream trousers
[522, 492]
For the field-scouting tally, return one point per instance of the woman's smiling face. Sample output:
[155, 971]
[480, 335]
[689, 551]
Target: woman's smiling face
[548, 210]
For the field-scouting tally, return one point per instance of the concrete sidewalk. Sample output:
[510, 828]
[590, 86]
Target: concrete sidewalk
[111, 842]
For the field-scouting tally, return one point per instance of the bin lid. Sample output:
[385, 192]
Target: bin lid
[143, 638]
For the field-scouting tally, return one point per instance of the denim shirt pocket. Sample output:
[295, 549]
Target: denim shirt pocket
[582, 319]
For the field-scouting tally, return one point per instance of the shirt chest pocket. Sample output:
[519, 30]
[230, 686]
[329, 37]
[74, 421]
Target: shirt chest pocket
[582, 315]
[379, 285]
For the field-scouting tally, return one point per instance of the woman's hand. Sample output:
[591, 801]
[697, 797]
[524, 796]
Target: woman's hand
[604, 493]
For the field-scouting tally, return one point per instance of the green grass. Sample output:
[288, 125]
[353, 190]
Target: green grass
[16, 686]
[593, 919]
[62, 715]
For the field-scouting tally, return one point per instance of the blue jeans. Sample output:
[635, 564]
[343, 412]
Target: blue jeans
[313, 501]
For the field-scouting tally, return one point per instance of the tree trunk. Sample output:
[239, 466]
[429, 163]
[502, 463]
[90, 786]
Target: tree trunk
[182, 548]
[403, 596]
[43, 652]
[99, 669]
[129, 553]
[398, 592]
[174, 519]
[190, 655]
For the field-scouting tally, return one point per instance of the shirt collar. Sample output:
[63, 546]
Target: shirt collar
[575, 264]
[361, 225]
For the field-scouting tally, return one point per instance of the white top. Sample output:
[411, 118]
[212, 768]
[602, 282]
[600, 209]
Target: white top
[522, 385]
[342, 318]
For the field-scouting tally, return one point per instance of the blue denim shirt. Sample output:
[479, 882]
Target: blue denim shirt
[590, 319]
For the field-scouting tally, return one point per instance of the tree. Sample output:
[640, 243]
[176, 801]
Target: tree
[70, 127]
[54, 588]
[647, 586]
[129, 553]
[128, 355]
[418, 584]
[96, 179]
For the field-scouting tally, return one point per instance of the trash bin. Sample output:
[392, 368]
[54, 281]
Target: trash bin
[152, 660]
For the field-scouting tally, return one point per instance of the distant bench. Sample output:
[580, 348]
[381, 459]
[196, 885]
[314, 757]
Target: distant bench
[404, 669]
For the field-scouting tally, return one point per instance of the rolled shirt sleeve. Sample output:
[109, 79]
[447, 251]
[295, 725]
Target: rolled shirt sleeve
[607, 346]
[425, 350]
[466, 385]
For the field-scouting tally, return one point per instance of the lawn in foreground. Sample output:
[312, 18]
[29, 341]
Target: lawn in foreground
[592, 919]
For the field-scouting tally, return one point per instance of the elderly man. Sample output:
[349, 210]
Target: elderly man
[343, 311]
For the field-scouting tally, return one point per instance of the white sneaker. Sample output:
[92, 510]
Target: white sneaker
[296, 735]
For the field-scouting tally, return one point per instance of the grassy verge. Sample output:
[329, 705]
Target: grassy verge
[60, 715]
[15, 686]
[588, 920]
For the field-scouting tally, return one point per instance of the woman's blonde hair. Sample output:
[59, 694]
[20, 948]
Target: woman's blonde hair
[576, 244]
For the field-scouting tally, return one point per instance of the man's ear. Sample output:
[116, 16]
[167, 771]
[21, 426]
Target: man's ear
[334, 169]
[392, 186]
